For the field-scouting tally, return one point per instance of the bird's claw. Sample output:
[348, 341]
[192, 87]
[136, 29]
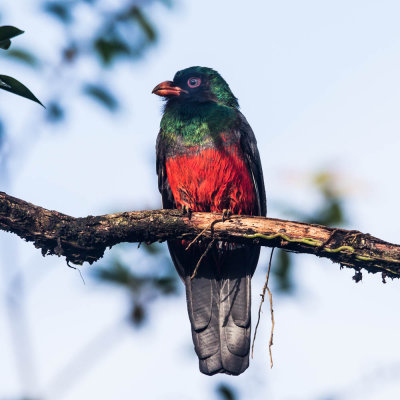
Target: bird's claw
[226, 214]
[187, 211]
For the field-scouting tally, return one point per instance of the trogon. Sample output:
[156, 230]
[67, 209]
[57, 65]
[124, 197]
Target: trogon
[207, 160]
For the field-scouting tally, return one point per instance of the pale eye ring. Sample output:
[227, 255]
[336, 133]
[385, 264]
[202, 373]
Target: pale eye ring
[194, 82]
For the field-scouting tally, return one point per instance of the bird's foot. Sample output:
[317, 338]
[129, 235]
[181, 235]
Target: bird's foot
[226, 213]
[187, 211]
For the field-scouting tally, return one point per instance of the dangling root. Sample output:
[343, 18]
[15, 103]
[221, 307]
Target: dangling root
[77, 269]
[201, 258]
[266, 288]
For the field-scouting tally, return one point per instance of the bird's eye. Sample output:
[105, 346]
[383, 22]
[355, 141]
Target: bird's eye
[194, 82]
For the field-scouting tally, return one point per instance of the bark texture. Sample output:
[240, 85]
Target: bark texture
[86, 239]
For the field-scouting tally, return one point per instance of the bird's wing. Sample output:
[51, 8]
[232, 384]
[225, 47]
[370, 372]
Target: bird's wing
[163, 184]
[248, 145]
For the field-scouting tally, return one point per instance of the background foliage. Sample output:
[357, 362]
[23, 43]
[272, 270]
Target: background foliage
[77, 68]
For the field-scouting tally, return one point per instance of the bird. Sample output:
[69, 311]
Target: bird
[207, 160]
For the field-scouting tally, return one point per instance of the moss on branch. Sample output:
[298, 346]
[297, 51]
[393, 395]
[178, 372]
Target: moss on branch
[86, 239]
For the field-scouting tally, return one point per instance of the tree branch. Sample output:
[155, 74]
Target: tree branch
[86, 239]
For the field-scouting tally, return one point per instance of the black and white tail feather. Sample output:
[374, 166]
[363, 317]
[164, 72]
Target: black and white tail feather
[219, 304]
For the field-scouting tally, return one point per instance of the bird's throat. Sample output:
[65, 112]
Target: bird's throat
[196, 123]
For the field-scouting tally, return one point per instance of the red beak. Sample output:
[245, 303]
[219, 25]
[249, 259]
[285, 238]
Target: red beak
[167, 88]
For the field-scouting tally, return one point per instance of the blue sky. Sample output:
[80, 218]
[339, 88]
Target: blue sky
[319, 83]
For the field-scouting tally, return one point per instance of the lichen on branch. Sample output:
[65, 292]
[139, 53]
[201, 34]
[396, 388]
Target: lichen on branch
[86, 239]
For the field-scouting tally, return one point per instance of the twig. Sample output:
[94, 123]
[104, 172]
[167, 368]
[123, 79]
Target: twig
[201, 258]
[200, 234]
[77, 269]
[265, 288]
[209, 226]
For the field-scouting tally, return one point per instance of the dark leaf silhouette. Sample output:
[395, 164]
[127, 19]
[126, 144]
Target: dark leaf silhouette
[6, 33]
[12, 85]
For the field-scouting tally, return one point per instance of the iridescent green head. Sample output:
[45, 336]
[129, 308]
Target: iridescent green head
[197, 85]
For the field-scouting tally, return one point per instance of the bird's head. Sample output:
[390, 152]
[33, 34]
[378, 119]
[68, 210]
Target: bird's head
[197, 85]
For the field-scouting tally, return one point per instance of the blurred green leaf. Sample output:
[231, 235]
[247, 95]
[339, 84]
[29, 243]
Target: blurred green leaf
[152, 248]
[60, 10]
[166, 285]
[226, 392]
[71, 52]
[167, 3]
[282, 271]
[102, 95]
[138, 314]
[16, 87]
[108, 49]
[144, 23]
[323, 179]
[55, 112]
[331, 210]
[24, 56]
[331, 213]
[122, 275]
[6, 33]
[116, 273]
[143, 289]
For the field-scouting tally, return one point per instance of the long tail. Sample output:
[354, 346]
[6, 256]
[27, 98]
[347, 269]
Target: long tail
[219, 307]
